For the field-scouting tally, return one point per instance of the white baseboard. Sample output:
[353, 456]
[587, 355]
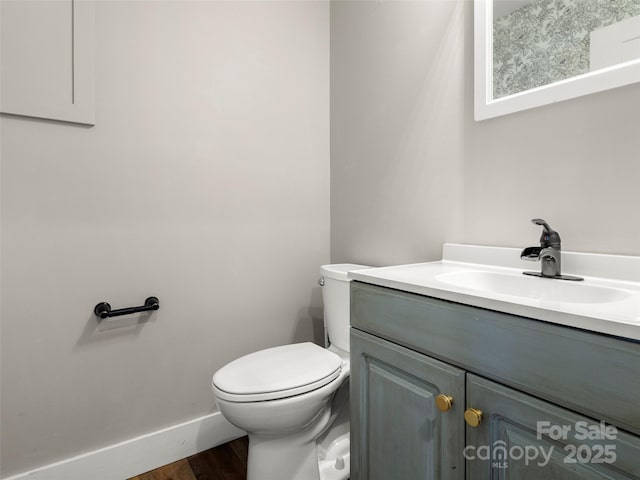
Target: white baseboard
[141, 454]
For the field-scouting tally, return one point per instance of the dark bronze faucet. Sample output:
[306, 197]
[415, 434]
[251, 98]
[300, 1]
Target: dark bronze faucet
[548, 253]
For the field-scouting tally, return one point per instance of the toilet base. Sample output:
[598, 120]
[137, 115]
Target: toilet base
[334, 463]
[269, 458]
[293, 457]
[319, 452]
[333, 446]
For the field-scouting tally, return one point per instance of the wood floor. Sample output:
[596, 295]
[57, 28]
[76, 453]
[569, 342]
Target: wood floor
[225, 462]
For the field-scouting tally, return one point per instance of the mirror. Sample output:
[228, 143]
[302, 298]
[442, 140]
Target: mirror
[530, 53]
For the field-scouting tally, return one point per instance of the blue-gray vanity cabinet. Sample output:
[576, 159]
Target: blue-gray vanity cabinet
[522, 437]
[399, 433]
[518, 372]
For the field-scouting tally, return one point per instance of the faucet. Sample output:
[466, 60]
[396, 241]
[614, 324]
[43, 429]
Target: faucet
[548, 253]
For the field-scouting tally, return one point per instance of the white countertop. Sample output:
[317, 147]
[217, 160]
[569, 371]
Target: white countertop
[619, 315]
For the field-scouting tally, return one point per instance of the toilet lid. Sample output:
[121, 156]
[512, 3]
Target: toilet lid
[277, 372]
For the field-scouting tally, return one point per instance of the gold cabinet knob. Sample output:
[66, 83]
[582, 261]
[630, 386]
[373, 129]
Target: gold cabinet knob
[444, 402]
[473, 417]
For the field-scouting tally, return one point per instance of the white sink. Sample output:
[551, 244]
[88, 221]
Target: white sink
[543, 289]
[607, 301]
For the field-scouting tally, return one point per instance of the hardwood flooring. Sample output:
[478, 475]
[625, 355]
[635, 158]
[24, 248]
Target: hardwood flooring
[225, 462]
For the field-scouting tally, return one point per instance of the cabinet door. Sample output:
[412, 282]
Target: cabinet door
[522, 437]
[398, 433]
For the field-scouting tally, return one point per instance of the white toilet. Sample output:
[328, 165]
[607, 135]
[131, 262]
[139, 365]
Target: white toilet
[293, 400]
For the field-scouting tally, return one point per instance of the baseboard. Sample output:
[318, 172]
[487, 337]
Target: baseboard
[141, 454]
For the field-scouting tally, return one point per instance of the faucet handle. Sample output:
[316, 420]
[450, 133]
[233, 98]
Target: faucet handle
[542, 223]
[549, 238]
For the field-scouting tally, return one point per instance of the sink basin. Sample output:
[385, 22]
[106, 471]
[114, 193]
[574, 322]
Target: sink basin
[607, 301]
[545, 289]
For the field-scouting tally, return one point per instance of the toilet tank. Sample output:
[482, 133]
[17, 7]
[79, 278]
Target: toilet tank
[335, 296]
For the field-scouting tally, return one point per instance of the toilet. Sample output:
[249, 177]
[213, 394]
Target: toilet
[293, 400]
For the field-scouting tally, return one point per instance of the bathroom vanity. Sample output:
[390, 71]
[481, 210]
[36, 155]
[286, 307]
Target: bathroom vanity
[450, 383]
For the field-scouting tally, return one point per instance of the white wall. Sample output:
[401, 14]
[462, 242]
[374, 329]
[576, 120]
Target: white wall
[411, 169]
[576, 164]
[397, 100]
[205, 182]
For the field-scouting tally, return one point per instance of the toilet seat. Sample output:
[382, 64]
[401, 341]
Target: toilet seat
[276, 373]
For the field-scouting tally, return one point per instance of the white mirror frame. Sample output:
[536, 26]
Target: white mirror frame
[585, 84]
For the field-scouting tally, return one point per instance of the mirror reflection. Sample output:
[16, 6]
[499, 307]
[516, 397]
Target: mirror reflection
[538, 42]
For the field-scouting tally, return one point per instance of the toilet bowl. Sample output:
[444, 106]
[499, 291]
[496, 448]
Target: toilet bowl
[292, 400]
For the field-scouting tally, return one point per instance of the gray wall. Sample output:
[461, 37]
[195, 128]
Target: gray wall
[397, 136]
[411, 169]
[205, 182]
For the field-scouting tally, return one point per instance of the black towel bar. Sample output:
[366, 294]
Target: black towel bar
[103, 309]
